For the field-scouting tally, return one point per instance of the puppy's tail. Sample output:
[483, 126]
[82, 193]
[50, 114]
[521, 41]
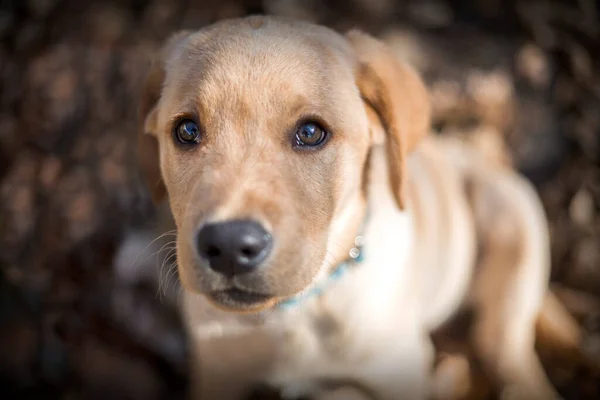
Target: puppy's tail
[556, 328]
[559, 335]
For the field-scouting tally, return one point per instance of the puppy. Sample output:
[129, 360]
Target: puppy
[322, 234]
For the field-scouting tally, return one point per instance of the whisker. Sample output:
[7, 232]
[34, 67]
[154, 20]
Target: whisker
[166, 246]
[169, 245]
[172, 274]
[166, 234]
[172, 268]
[161, 276]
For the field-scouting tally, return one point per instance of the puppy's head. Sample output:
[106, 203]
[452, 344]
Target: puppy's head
[258, 131]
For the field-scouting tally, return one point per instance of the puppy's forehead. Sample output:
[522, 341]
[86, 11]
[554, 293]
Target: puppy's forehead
[263, 61]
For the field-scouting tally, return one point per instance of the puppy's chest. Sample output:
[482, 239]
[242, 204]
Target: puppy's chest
[316, 333]
[327, 337]
[316, 345]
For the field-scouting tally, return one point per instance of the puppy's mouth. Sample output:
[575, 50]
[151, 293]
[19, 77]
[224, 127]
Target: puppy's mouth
[242, 300]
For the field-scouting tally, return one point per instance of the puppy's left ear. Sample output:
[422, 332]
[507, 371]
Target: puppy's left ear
[147, 149]
[399, 98]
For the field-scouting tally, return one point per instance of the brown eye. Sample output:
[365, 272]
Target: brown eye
[187, 132]
[310, 134]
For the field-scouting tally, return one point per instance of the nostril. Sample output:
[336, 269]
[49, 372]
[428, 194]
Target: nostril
[212, 252]
[248, 252]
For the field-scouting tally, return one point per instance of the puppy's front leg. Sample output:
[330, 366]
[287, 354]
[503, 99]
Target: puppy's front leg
[402, 370]
[227, 368]
[215, 380]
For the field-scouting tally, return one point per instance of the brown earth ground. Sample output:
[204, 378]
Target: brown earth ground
[70, 72]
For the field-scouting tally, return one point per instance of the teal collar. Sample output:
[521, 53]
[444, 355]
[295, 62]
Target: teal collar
[355, 256]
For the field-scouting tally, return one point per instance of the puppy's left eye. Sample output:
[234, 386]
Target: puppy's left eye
[187, 132]
[310, 134]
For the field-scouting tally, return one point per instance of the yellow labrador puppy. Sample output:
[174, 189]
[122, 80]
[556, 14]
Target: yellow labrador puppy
[321, 234]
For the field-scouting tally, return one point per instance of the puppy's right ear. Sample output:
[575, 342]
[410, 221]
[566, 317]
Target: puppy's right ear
[396, 100]
[148, 151]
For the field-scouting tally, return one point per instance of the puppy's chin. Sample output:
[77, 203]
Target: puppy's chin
[241, 302]
[229, 296]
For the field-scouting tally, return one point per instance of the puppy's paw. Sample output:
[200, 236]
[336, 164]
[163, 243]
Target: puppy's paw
[452, 378]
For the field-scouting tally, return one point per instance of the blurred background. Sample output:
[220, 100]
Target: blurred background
[75, 323]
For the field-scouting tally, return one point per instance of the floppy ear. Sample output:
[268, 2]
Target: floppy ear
[399, 98]
[147, 149]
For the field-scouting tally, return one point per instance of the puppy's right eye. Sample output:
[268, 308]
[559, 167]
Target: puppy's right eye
[187, 132]
[310, 134]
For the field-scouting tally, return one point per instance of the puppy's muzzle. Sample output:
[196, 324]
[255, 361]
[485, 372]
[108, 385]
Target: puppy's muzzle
[233, 248]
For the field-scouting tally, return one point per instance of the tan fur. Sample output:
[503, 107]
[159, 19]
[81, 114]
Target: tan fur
[397, 95]
[432, 204]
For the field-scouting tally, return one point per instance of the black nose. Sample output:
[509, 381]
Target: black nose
[234, 247]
